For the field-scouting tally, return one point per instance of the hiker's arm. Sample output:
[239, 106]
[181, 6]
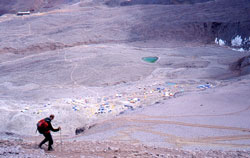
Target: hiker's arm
[53, 129]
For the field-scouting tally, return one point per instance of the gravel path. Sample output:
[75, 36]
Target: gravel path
[89, 149]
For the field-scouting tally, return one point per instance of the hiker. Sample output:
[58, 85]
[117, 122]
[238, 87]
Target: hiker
[44, 127]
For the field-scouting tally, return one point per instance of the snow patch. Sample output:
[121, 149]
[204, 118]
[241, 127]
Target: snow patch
[220, 42]
[237, 44]
[239, 50]
[237, 41]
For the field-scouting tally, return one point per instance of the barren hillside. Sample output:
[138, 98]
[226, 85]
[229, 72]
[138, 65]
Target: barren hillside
[13, 6]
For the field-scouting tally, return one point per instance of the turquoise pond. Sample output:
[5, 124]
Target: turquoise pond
[150, 59]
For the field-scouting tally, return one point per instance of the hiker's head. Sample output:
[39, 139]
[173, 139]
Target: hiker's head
[51, 116]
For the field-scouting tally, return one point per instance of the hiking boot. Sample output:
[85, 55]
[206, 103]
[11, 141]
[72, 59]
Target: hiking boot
[50, 149]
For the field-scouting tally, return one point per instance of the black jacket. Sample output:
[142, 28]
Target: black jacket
[50, 128]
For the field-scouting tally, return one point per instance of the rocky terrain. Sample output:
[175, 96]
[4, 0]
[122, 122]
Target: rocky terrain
[107, 149]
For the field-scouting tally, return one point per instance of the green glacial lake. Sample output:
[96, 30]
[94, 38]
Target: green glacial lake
[150, 59]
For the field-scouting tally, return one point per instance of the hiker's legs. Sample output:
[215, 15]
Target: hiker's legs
[50, 141]
[44, 141]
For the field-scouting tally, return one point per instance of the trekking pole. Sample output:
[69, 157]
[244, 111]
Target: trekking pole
[61, 139]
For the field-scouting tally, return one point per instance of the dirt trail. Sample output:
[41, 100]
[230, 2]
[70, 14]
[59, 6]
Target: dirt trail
[91, 149]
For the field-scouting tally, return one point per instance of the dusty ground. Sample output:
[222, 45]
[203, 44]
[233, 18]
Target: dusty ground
[19, 148]
[82, 62]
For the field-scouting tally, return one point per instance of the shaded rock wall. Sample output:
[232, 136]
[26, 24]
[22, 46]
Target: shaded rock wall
[191, 20]
[232, 31]
[201, 22]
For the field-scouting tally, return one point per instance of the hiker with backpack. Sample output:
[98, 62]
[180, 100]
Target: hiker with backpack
[44, 127]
